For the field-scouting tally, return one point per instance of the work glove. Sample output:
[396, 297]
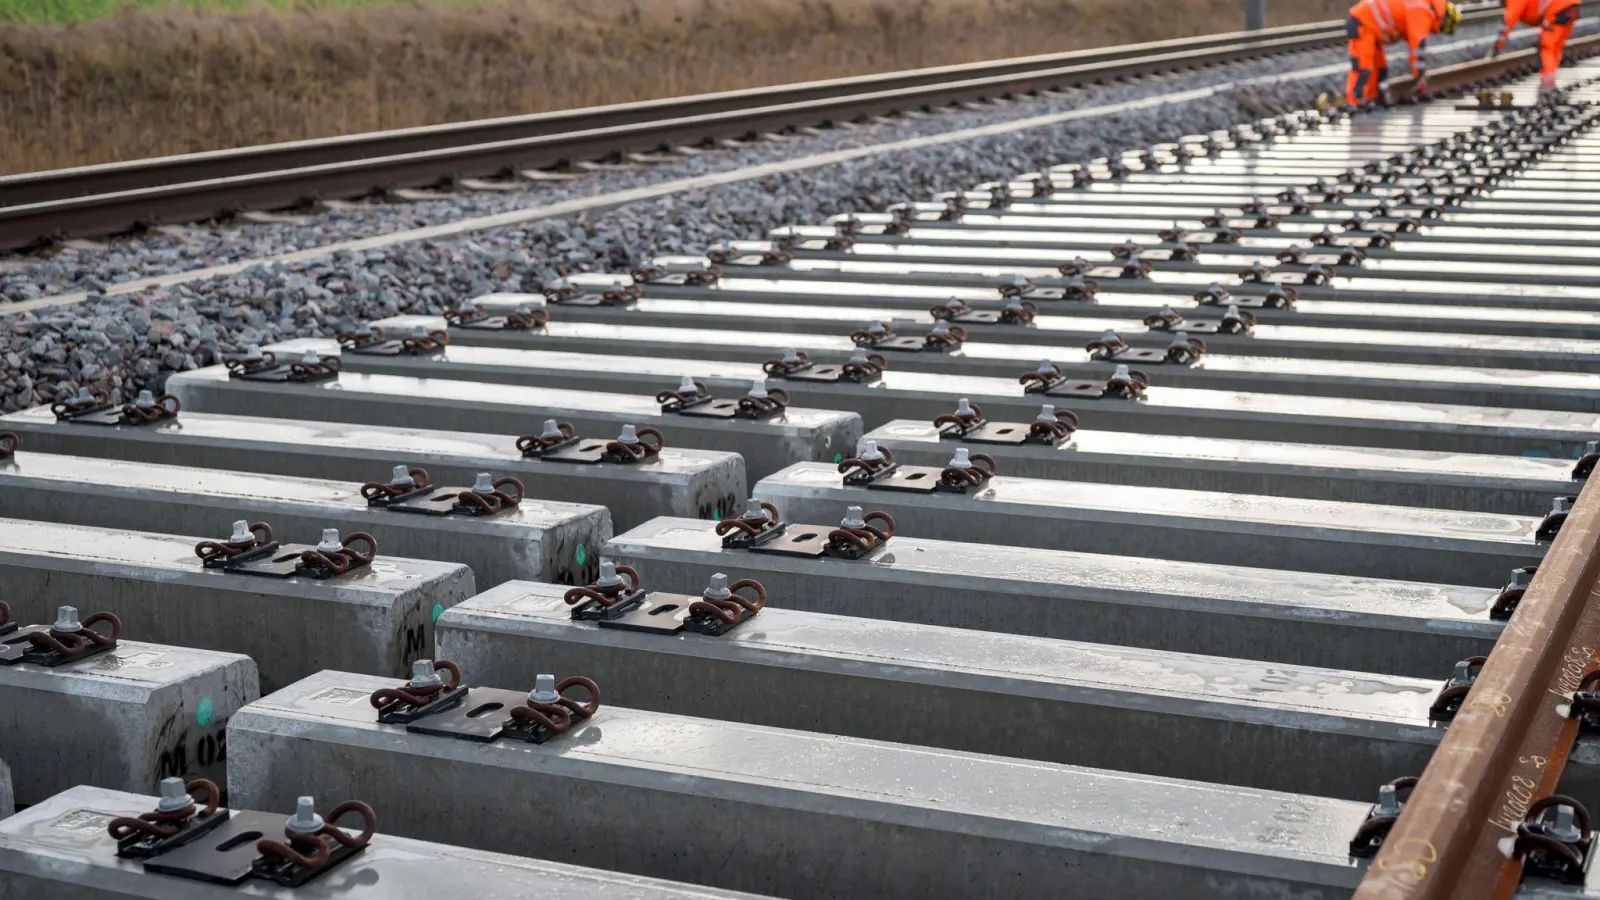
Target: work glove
[1421, 91]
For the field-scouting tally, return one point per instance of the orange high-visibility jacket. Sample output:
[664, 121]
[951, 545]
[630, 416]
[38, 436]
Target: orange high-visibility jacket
[1411, 21]
[1533, 13]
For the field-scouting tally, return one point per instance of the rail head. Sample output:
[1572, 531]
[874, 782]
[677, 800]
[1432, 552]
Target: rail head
[1507, 746]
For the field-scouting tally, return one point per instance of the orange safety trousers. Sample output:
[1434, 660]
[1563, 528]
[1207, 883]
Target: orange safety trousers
[1553, 34]
[1554, 19]
[1368, 64]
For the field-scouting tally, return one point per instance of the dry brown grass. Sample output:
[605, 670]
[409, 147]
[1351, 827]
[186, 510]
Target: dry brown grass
[148, 84]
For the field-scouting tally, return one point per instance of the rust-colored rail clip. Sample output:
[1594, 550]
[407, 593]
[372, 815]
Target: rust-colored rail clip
[617, 591]
[67, 640]
[427, 692]
[1554, 840]
[175, 821]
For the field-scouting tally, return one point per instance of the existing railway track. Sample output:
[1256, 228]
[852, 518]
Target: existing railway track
[115, 198]
[1171, 644]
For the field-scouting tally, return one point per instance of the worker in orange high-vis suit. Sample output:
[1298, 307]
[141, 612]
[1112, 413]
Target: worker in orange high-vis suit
[1373, 23]
[1554, 19]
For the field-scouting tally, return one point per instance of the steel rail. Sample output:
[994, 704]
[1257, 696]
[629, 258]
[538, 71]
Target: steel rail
[1510, 742]
[355, 174]
[58, 184]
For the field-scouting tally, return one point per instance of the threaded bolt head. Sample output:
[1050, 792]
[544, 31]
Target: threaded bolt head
[608, 575]
[544, 689]
[305, 819]
[401, 477]
[67, 620]
[423, 674]
[852, 518]
[718, 588]
[870, 451]
[241, 532]
[330, 541]
[964, 408]
[174, 796]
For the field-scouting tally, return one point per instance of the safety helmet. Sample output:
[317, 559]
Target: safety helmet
[1450, 19]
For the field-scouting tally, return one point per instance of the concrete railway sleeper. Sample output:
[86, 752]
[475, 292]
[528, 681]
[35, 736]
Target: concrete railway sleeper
[1186, 362]
[1159, 409]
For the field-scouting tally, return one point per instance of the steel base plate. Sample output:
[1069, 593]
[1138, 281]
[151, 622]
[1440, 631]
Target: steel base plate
[908, 479]
[806, 541]
[1009, 433]
[712, 409]
[658, 613]
[479, 718]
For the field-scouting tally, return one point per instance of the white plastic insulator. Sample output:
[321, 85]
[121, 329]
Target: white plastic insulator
[1216, 288]
[469, 308]
[753, 509]
[758, 389]
[173, 796]
[869, 451]
[365, 329]
[423, 674]
[790, 356]
[544, 689]
[552, 429]
[962, 459]
[419, 332]
[941, 327]
[145, 400]
[401, 477]
[483, 483]
[718, 588]
[878, 328]
[241, 532]
[330, 541]
[67, 620]
[1046, 367]
[686, 385]
[1180, 339]
[252, 352]
[852, 518]
[1110, 337]
[1168, 312]
[859, 357]
[608, 575]
[629, 435]
[311, 359]
[1232, 312]
[1121, 374]
[83, 396]
[305, 819]
[964, 409]
[1047, 413]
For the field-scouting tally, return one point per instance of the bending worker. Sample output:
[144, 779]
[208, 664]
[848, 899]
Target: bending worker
[1373, 23]
[1554, 19]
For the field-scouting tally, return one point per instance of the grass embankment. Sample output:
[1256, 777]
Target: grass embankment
[157, 79]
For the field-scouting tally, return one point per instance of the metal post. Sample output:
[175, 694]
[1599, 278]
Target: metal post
[1255, 15]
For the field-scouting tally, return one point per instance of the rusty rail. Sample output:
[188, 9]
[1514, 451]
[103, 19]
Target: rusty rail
[1508, 745]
